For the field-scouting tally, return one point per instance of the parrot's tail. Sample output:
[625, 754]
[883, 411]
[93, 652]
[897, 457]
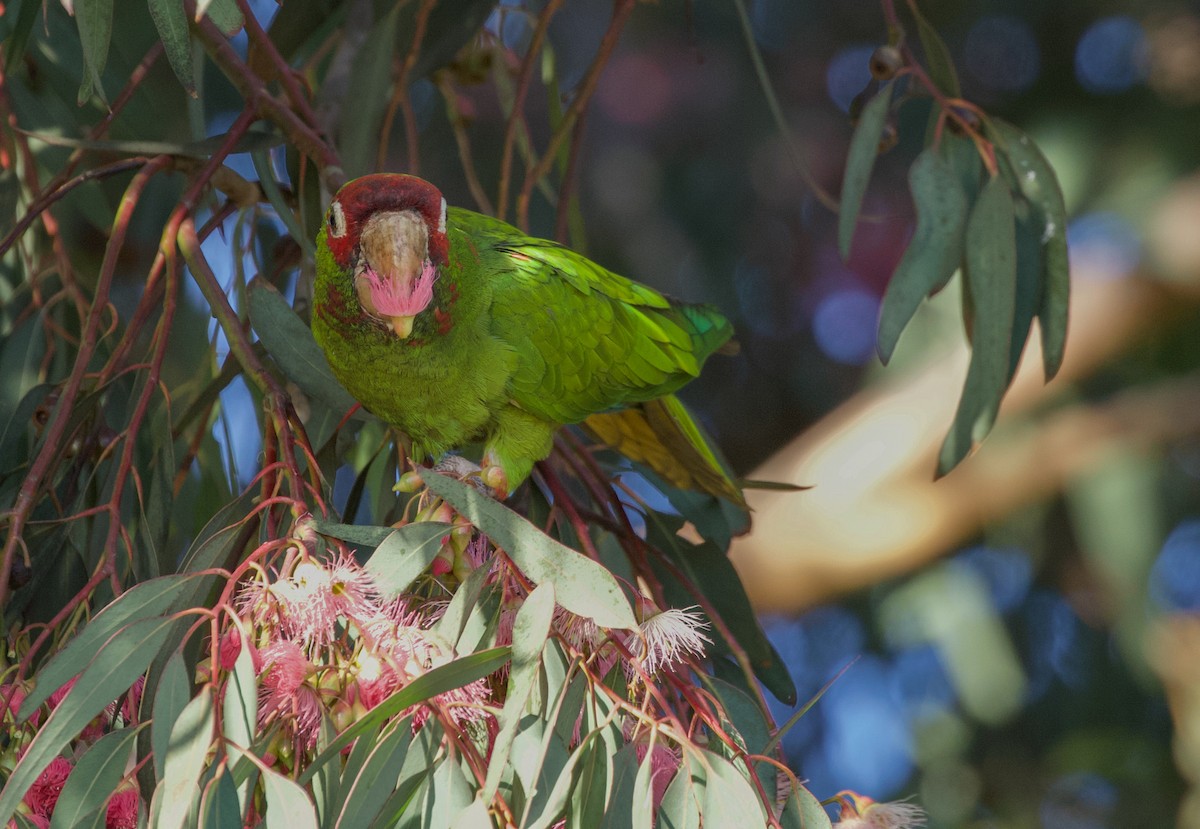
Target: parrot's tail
[663, 435]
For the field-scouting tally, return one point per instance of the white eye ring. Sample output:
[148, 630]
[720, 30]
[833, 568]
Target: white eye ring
[442, 218]
[337, 220]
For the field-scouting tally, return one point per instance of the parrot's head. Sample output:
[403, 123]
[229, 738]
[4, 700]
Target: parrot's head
[389, 231]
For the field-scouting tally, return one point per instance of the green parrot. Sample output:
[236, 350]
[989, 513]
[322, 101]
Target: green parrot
[455, 327]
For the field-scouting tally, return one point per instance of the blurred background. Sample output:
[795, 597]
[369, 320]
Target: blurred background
[1018, 640]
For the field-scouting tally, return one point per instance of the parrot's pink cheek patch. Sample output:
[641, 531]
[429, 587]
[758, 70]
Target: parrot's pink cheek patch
[395, 298]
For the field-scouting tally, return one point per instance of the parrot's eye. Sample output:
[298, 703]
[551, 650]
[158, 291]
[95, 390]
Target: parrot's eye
[337, 220]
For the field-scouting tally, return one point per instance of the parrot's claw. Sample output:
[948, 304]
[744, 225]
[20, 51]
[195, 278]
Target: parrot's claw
[493, 476]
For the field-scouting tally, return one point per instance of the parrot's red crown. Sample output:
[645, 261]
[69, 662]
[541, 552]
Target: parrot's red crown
[359, 199]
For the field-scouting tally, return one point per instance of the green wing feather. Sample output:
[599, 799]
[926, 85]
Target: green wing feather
[590, 341]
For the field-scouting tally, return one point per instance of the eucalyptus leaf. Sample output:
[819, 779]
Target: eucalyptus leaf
[171, 21]
[860, 160]
[94, 778]
[1038, 183]
[991, 271]
[530, 630]
[94, 19]
[580, 585]
[142, 601]
[219, 804]
[935, 251]
[404, 554]
[290, 342]
[366, 794]
[372, 72]
[239, 709]
[937, 56]
[187, 750]
[115, 667]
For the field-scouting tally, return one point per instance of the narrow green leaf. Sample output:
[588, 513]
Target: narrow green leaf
[557, 799]
[729, 799]
[372, 73]
[13, 446]
[935, 251]
[864, 147]
[580, 585]
[681, 804]
[642, 807]
[593, 785]
[219, 805]
[250, 142]
[142, 601]
[448, 794]
[1039, 185]
[444, 678]
[20, 362]
[625, 772]
[804, 811]
[361, 534]
[225, 14]
[120, 661]
[171, 696]
[473, 816]
[94, 19]
[290, 342]
[187, 748]
[366, 793]
[94, 778]
[937, 56]
[404, 554]
[991, 271]
[171, 21]
[288, 805]
[711, 572]
[530, 630]
[239, 711]
[749, 722]
[538, 756]
[14, 46]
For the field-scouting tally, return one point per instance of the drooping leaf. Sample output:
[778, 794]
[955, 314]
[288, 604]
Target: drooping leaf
[803, 811]
[682, 802]
[404, 554]
[936, 249]
[170, 20]
[172, 694]
[370, 788]
[937, 56]
[860, 160]
[94, 19]
[372, 73]
[142, 601]
[187, 749]
[219, 804]
[580, 585]
[729, 799]
[290, 342]
[288, 805]
[642, 806]
[14, 46]
[625, 770]
[21, 355]
[749, 722]
[530, 630]
[1039, 185]
[120, 661]
[714, 576]
[473, 816]
[94, 778]
[225, 14]
[593, 785]
[991, 271]
[239, 709]
[448, 794]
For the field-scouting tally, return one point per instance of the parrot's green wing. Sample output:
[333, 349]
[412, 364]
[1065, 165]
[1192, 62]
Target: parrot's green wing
[590, 341]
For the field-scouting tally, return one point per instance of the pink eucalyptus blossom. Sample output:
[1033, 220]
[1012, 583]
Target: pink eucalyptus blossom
[43, 794]
[286, 693]
[122, 810]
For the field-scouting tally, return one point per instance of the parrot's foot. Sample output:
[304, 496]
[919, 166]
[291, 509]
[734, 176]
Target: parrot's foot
[456, 466]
